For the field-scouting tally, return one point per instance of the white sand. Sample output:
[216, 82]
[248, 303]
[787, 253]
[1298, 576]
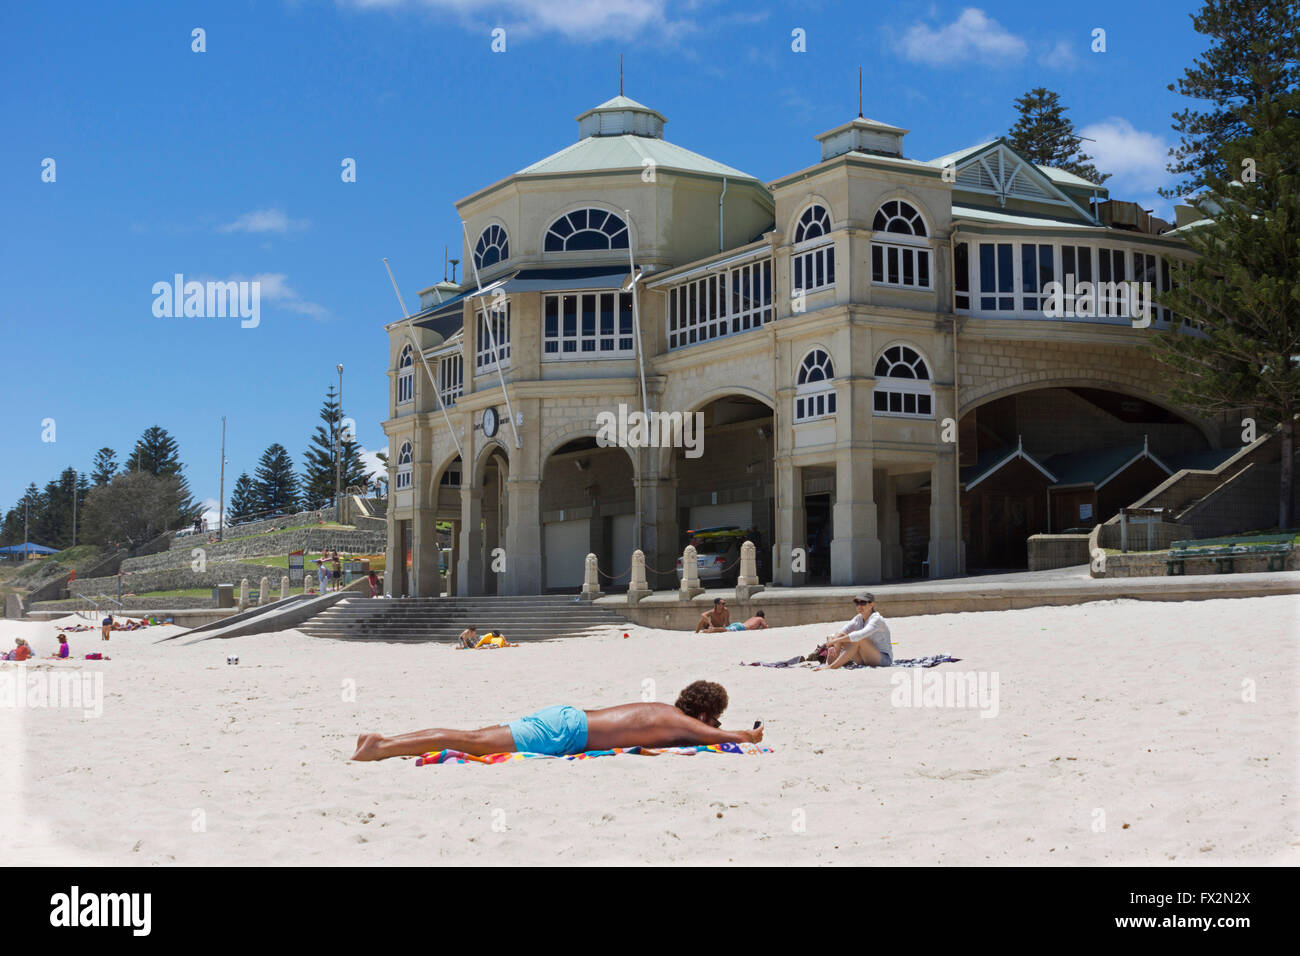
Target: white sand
[1123, 713]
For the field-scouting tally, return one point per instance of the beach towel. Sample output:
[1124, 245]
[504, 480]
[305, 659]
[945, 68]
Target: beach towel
[455, 756]
[934, 660]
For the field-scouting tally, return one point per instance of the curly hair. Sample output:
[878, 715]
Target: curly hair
[703, 697]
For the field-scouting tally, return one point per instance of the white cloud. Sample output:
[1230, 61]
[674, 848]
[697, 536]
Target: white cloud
[374, 467]
[264, 220]
[1061, 56]
[972, 36]
[1135, 159]
[210, 512]
[275, 288]
[579, 20]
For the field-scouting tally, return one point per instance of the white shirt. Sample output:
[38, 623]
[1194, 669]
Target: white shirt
[873, 627]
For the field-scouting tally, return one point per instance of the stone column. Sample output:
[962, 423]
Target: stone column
[243, 594]
[891, 535]
[637, 587]
[946, 559]
[424, 545]
[690, 585]
[523, 539]
[747, 583]
[659, 531]
[264, 592]
[453, 561]
[284, 586]
[855, 549]
[469, 563]
[591, 580]
[789, 533]
[393, 556]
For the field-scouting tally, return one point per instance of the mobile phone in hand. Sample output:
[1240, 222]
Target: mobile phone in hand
[757, 724]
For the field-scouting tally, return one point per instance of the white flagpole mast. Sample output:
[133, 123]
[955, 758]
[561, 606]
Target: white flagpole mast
[492, 340]
[433, 379]
[633, 279]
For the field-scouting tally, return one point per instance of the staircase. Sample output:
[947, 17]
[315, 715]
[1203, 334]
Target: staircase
[441, 619]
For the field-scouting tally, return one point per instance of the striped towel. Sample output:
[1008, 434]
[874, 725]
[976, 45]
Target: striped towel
[455, 756]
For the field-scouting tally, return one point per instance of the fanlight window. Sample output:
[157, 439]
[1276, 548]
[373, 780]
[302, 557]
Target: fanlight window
[406, 376]
[493, 246]
[814, 393]
[903, 386]
[586, 230]
[899, 217]
[404, 466]
[813, 224]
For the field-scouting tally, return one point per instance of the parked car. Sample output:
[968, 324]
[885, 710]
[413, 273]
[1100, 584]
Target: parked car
[717, 555]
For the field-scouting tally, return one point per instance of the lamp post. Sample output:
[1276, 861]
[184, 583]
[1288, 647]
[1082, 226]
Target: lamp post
[338, 452]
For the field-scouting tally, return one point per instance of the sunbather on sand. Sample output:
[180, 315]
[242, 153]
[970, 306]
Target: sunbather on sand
[863, 640]
[564, 730]
[714, 621]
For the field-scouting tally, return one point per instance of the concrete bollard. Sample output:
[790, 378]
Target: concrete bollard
[637, 588]
[243, 594]
[284, 587]
[747, 583]
[591, 580]
[307, 584]
[690, 585]
[264, 592]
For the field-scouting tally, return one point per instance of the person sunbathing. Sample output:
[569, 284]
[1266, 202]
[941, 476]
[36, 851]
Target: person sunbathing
[714, 621]
[564, 730]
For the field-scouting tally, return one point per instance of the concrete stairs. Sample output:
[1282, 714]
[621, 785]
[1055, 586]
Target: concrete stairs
[414, 620]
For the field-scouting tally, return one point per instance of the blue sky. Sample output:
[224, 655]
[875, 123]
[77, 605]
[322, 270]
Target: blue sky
[226, 164]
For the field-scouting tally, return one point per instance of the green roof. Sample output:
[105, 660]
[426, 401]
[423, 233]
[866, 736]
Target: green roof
[629, 151]
[1098, 467]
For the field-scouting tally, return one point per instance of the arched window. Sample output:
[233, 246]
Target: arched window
[406, 376]
[493, 246]
[586, 230]
[814, 393]
[813, 263]
[404, 466]
[900, 251]
[903, 385]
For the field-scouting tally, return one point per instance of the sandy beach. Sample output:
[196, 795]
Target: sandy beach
[1125, 732]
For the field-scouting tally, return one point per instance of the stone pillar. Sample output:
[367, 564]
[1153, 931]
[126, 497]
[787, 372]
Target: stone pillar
[891, 534]
[747, 583]
[243, 594]
[637, 587]
[308, 582]
[264, 592]
[284, 586]
[659, 531]
[393, 556]
[424, 547]
[453, 560]
[523, 539]
[469, 563]
[946, 558]
[789, 533]
[855, 549]
[690, 585]
[591, 580]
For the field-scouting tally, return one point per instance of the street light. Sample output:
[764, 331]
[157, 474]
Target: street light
[338, 451]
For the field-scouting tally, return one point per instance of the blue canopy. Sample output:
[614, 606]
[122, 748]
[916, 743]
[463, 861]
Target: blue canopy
[28, 548]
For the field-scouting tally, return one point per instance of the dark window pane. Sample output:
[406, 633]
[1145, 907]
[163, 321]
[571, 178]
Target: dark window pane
[923, 268]
[923, 404]
[961, 267]
[1006, 271]
[909, 273]
[892, 257]
[986, 270]
[880, 400]
[1028, 274]
[877, 264]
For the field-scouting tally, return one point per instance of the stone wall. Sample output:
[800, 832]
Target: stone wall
[1047, 551]
[1152, 564]
[345, 541]
[173, 579]
[1163, 534]
[303, 519]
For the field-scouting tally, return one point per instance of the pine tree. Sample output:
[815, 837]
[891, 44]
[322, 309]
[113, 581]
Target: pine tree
[1251, 61]
[157, 453]
[104, 467]
[1045, 136]
[1241, 291]
[275, 486]
[243, 500]
[318, 461]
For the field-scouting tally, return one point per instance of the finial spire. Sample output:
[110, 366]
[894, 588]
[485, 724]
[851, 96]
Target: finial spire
[620, 74]
[859, 92]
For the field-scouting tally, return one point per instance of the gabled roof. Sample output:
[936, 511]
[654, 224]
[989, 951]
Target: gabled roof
[995, 459]
[997, 169]
[1097, 468]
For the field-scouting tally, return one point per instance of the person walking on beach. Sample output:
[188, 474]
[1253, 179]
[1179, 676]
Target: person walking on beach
[324, 575]
[106, 627]
[716, 620]
[564, 730]
[863, 640]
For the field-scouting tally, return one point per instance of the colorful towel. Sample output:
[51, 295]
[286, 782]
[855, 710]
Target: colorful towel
[934, 660]
[455, 756]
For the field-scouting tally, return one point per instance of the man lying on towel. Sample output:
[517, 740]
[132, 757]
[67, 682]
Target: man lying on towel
[563, 731]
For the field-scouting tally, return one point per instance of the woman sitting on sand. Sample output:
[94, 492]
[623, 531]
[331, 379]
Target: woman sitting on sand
[564, 730]
[62, 652]
[22, 650]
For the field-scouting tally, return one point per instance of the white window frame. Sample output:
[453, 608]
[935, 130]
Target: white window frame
[406, 376]
[812, 257]
[620, 344]
[451, 378]
[719, 304]
[502, 246]
[484, 360]
[814, 401]
[610, 237]
[906, 246]
[903, 387]
[402, 480]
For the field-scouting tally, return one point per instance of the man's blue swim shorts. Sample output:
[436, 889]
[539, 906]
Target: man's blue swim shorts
[556, 731]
